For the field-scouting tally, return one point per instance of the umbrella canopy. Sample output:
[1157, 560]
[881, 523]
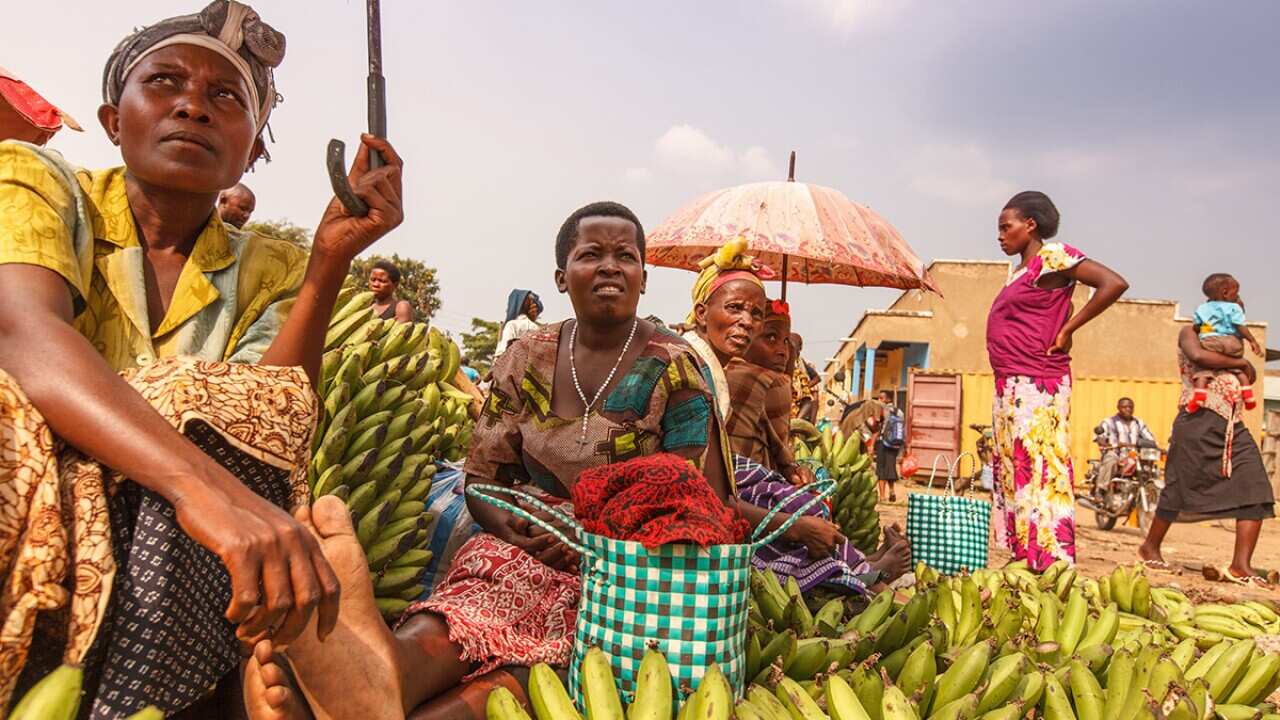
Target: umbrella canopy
[813, 233]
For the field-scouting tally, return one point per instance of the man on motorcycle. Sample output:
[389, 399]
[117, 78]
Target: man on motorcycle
[1121, 430]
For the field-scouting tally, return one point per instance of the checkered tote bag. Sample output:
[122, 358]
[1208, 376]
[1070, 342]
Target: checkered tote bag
[948, 533]
[689, 600]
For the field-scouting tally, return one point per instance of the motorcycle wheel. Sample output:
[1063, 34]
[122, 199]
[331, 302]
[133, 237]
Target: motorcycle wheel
[1110, 500]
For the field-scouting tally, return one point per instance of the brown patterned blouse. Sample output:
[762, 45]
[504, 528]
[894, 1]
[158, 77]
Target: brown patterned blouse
[661, 404]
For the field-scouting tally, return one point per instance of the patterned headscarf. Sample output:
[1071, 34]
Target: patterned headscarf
[731, 262]
[229, 28]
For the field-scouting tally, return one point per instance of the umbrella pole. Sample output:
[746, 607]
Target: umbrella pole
[791, 177]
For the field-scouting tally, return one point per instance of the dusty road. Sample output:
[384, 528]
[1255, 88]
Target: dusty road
[1187, 548]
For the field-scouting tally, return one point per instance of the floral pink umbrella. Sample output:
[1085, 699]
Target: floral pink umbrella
[803, 232]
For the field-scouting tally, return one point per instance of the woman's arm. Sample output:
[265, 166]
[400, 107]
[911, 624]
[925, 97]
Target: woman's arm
[404, 311]
[339, 238]
[1108, 287]
[1189, 343]
[93, 409]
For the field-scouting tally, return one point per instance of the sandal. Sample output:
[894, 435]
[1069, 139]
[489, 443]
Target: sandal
[1224, 574]
[1157, 565]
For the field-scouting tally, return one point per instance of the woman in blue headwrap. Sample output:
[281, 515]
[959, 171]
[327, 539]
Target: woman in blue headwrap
[523, 309]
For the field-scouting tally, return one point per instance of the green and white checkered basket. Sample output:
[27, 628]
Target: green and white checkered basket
[691, 601]
[947, 532]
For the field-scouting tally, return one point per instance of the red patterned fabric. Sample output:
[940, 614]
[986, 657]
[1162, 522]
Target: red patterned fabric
[504, 607]
[655, 500]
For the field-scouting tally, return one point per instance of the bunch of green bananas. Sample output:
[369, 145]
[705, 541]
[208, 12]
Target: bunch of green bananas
[56, 696]
[390, 415]
[853, 503]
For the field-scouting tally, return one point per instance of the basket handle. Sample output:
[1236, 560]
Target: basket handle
[933, 473]
[483, 492]
[956, 467]
[823, 489]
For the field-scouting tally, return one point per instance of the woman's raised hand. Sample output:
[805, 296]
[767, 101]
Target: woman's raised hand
[342, 236]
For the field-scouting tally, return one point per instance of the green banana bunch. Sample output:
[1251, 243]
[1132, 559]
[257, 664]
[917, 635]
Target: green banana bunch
[389, 416]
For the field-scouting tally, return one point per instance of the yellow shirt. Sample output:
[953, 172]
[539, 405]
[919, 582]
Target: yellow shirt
[232, 295]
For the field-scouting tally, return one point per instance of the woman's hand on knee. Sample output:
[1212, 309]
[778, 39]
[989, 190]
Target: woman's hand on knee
[279, 575]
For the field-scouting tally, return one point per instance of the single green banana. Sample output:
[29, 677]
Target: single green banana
[1257, 678]
[1086, 692]
[547, 695]
[1229, 669]
[654, 688]
[964, 674]
[842, 702]
[55, 696]
[599, 690]
[1006, 673]
[502, 705]
[894, 705]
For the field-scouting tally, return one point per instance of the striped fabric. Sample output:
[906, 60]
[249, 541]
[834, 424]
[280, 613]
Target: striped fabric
[764, 488]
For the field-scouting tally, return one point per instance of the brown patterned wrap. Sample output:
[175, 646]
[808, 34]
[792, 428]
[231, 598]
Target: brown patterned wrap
[54, 500]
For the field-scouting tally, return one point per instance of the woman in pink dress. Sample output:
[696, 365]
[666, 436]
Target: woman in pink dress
[1029, 331]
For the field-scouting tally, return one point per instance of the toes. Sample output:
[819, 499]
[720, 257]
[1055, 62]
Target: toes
[330, 517]
[278, 698]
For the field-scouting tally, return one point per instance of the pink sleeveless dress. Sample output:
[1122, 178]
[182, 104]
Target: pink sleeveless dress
[1034, 499]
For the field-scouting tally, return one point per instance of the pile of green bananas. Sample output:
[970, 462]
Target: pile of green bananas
[853, 503]
[57, 697]
[1002, 644]
[390, 415]
[1209, 623]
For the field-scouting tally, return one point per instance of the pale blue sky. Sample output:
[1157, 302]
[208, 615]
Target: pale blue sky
[1151, 124]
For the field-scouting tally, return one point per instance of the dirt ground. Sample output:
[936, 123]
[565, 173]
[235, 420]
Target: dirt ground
[1187, 548]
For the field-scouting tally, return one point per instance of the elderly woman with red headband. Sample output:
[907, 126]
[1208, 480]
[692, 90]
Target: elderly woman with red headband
[730, 312]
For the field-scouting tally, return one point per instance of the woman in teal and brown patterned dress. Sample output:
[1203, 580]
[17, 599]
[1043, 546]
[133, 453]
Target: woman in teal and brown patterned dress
[604, 387]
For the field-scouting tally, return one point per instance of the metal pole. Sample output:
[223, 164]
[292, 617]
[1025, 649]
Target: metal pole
[791, 177]
[377, 85]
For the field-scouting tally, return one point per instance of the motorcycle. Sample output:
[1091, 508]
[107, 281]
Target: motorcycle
[1135, 484]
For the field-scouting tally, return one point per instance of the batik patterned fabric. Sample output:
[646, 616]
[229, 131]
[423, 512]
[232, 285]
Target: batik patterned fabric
[661, 404]
[504, 607]
[1034, 499]
[102, 563]
[844, 570]
[232, 296]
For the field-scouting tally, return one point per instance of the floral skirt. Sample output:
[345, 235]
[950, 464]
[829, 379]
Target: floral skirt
[1033, 476]
[504, 607]
[95, 571]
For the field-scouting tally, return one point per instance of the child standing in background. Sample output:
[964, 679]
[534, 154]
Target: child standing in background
[1220, 323]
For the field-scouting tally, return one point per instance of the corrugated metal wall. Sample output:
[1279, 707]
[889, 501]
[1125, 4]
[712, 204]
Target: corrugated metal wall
[1092, 400]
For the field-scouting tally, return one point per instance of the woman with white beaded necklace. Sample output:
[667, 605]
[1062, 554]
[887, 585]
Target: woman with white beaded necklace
[601, 388]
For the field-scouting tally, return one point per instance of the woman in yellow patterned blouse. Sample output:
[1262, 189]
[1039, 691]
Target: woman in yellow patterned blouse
[152, 504]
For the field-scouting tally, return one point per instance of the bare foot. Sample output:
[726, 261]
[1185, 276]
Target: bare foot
[892, 536]
[354, 672]
[895, 562]
[267, 692]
